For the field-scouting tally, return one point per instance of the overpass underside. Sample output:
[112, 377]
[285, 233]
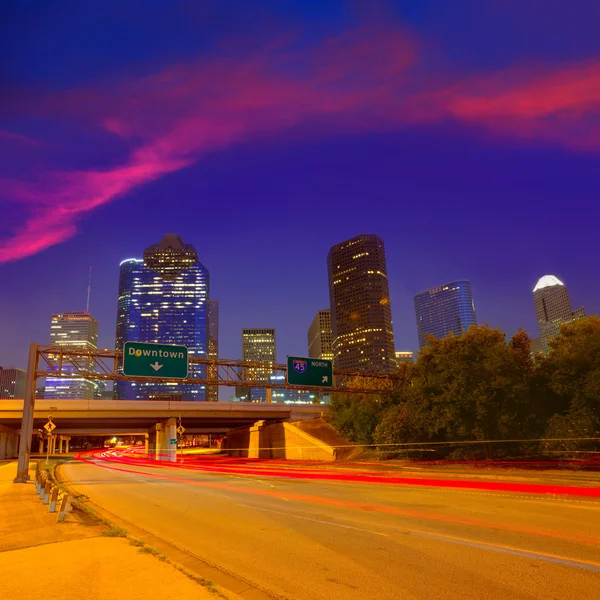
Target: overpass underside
[156, 421]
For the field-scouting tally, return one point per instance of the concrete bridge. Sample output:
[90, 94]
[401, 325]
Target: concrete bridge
[155, 420]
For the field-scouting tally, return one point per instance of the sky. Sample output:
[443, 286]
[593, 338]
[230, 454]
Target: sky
[466, 134]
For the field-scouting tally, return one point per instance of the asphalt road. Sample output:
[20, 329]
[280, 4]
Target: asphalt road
[319, 540]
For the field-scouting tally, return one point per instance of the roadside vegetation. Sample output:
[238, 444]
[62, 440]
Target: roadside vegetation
[467, 393]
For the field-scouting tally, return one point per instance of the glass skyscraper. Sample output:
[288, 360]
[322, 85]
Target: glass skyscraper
[552, 308]
[78, 330]
[163, 299]
[446, 309]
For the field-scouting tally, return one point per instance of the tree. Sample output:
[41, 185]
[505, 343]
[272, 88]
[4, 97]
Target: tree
[578, 422]
[572, 366]
[472, 387]
[356, 415]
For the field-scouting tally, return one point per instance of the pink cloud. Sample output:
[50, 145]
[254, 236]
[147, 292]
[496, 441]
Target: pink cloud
[366, 80]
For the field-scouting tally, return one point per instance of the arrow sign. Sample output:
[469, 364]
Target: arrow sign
[305, 372]
[162, 361]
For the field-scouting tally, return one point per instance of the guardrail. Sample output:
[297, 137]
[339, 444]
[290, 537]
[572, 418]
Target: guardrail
[57, 499]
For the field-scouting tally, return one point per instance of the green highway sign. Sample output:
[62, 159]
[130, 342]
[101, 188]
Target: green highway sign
[309, 372]
[155, 360]
[173, 441]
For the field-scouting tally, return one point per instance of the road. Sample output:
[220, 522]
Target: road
[306, 539]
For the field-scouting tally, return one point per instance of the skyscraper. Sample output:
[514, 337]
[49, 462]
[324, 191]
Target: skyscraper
[12, 383]
[403, 356]
[445, 309]
[320, 336]
[552, 308]
[258, 345]
[75, 330]
[212, 391]
[163, 299]
[361, 315]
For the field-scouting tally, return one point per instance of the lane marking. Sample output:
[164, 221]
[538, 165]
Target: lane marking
[411, 513]
[285, 514]
[552, 558]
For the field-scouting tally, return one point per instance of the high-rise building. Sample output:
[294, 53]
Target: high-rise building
[212, 391]
[553, 308]
[445, 309]
[320, 336]
[258, 345]
[74, 330]
[163, 299]
[12, 383]
[361, 316]
[404, 356]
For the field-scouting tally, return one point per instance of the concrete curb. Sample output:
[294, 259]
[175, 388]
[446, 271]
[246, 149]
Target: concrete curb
[182, 558]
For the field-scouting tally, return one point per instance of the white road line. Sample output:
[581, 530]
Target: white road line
[285, 514]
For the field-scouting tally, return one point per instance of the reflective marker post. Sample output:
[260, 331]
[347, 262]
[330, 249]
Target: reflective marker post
[27, 421]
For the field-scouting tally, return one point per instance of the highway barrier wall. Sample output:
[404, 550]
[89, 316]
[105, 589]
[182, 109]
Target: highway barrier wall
[309, 439]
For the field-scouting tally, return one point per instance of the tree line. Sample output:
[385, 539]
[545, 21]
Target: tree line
[468, 395]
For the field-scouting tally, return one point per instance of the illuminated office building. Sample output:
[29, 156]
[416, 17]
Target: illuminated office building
[163, 299]
[445, 309]
[552, 308]
[320, 336]
[404, 356]
[258, 345]
[361, 316]
[74, 330]
[212, 391]
[12, 383]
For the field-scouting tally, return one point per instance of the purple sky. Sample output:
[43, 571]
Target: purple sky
[466, 134]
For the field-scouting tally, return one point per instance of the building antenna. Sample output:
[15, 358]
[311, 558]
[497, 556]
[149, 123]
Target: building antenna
[89, 290]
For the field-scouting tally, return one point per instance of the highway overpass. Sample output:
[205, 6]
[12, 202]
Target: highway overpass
[140, 417]
[82, 417]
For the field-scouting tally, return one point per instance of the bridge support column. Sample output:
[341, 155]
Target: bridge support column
[146, 442]
[41, 446]
[255, 439]
[169, 428]
[3, 444]
[53, 445]
[67, 440]
[60, 444]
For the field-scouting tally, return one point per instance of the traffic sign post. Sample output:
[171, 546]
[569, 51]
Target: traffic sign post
[309, 372]
[159, 361]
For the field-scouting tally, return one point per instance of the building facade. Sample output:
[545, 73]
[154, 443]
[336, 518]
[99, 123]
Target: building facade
[12, 383]
[320, 336]
[403, 356]
[212, 391]
[552, 308]
[361, 316]
[258, 345]
[163, 299]
[75, 330]
[445, 309]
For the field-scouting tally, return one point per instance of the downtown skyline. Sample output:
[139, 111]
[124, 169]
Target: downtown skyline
[296, 163]
[228, 334]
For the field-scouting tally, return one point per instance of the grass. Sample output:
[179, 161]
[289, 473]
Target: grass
[115, 531]
[150, 550]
